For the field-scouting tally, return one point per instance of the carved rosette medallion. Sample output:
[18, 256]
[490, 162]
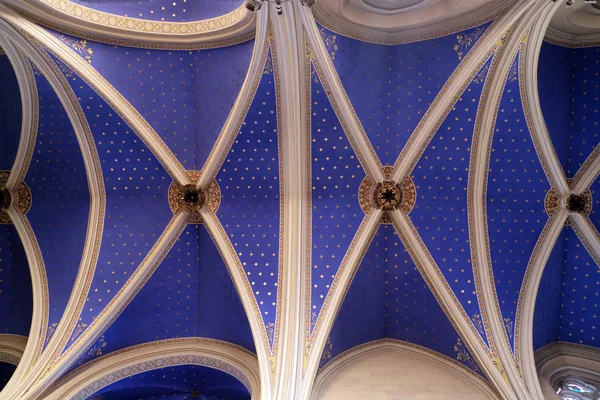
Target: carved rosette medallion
[575, 203]
[20, 197]
[387, 196]
[191, 199]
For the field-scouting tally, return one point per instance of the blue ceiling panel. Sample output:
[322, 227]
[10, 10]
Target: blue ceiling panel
[555, 92]
[516, 190]
[250, 187]
[336, 178]
[10, 114]
[185, 96]
[6, 371]
[585, 106]
[546, 319]
[177, 383]
[580, 311]
[164, 10]
[16, 296]
[389, 299]
[441, 178]
[137, 208]
[392, 87]
[362, 317]
[190, 295]
[60, 209]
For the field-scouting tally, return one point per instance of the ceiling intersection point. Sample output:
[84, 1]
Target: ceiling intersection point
[192, 199]
[19, 197]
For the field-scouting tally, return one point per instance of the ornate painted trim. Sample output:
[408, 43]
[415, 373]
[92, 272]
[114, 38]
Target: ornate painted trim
[12, 348]
[588, 235]
[95, 375]
[73, 18]
[427, 31]
[349, 357]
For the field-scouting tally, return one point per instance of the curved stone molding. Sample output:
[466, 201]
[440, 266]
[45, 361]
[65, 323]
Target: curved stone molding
[12, 348]
[95, 375]
[559, 360]
[482, 143]
[575, 26]
[74, 18]
[377, 26]
[29, 106]
[97, 196]
[351, 356]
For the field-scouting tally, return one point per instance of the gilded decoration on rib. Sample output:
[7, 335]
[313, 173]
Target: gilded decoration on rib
[20, 197]
[147, 26]
[191, 199]
[551, 202]
[387, 195]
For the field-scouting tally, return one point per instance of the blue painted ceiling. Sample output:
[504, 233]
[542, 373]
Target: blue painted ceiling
[186, 97]
[164, 10]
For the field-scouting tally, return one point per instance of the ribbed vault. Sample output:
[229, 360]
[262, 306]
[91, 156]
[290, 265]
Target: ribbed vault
[266, 196]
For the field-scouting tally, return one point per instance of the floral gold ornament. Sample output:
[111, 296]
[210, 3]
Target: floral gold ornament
[190, 198]
[387, 196]
[575, 203]
[20, 197]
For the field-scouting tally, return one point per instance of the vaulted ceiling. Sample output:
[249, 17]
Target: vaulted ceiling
[207, 202]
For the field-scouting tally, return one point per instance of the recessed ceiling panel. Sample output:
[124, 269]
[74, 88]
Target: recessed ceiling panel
[60, 209]
[441, 210]
[335, 210]
[10, 114]
[137, 209]
[585, 106]
[392, 87]
[555, 91]
[185, 96]
[389, 298]
[251, 188]
[516, 190]
[580, 319]
[164, 10]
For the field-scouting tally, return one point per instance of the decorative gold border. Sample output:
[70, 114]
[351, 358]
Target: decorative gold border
[145, 25]
[570, 45]
[160, 363]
